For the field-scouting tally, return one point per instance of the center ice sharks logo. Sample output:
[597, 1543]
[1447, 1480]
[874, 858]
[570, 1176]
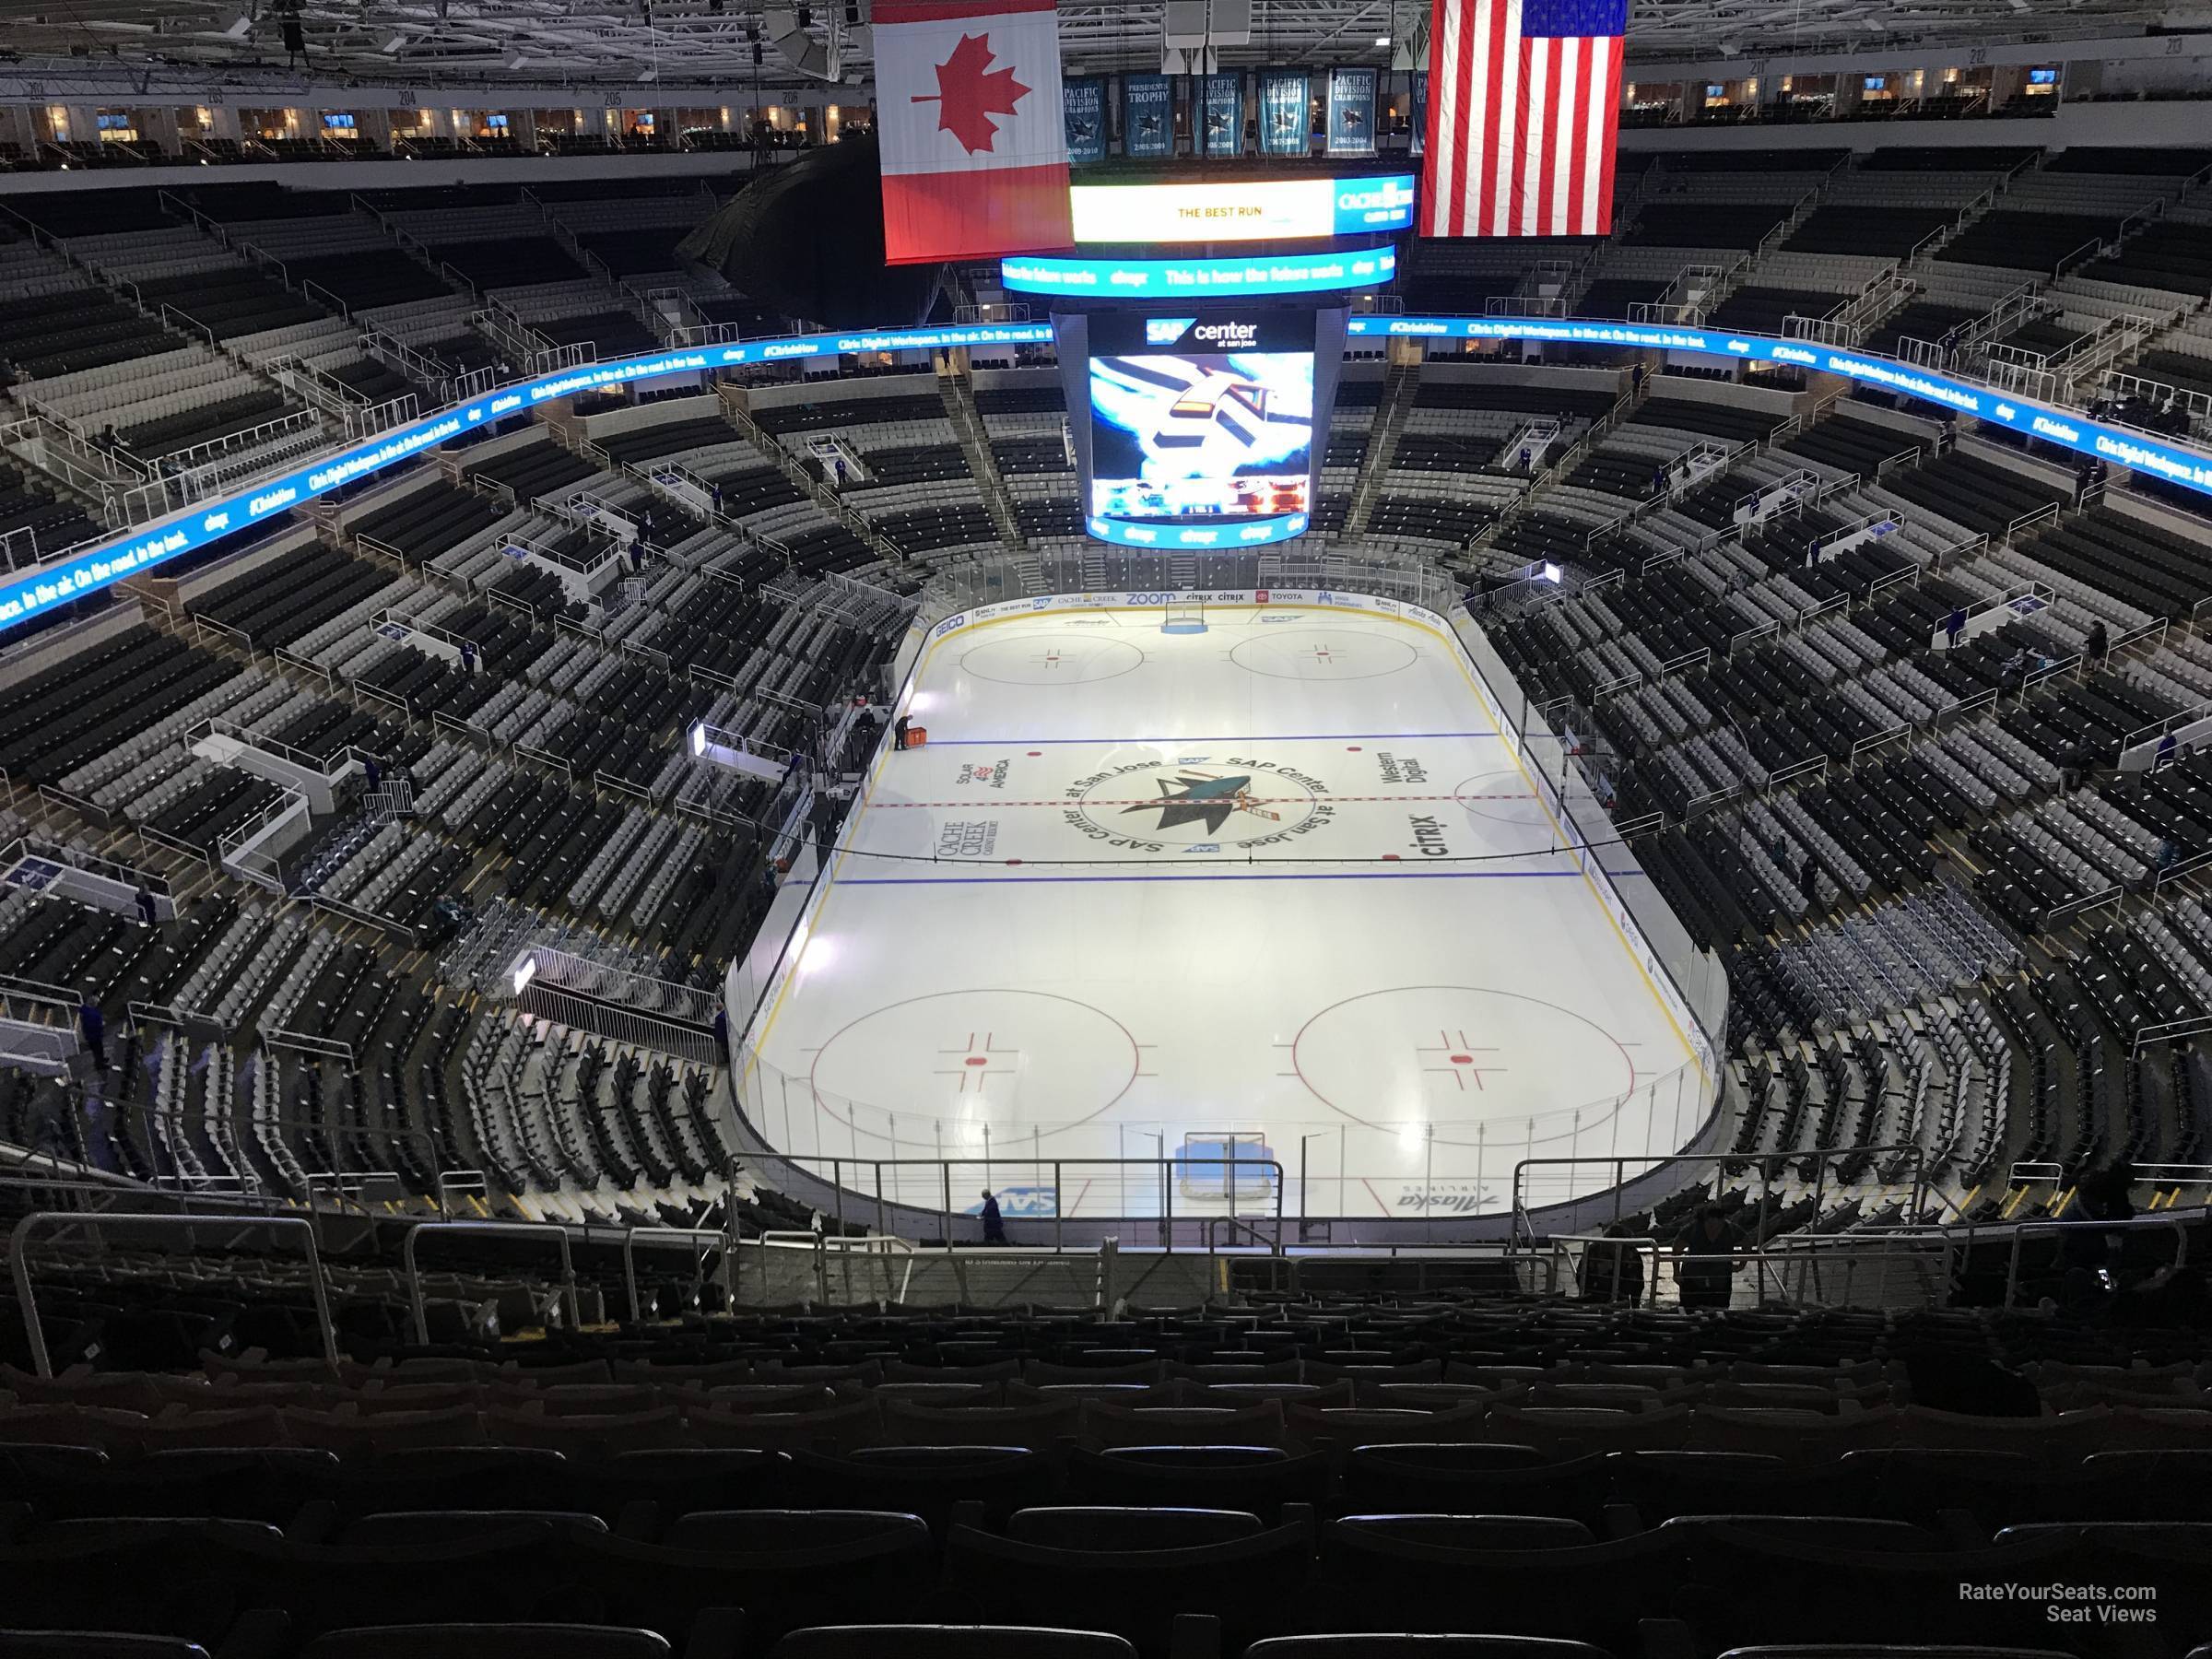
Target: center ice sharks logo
[1185, 803]
[1195, 798]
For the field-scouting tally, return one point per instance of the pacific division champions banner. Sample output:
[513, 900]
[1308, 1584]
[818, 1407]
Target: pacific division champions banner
[1351, 113]
[1147, 115]
[1083, 102]
[1286, 116]
[1224, 114]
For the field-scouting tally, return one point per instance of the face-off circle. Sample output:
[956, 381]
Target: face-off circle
[1323, 654]
[1456, 1055]
[1220, 800]
[1051, 658]
[1504, 803]
[1016, 1058]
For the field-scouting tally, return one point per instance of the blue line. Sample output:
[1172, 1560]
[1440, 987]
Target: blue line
[1411, 875]
[1244, 737]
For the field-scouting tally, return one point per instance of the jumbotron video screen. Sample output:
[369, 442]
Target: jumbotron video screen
[1212, 425]
[1201, 424]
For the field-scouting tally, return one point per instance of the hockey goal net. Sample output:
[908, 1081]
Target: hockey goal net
[1182, 616]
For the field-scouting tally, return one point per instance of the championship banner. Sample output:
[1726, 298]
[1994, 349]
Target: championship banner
[974, 137]
[1148, 116]
[1083, 102]
[1224, 115]
[1420, 111]
[1351, 130]
[1286, 113]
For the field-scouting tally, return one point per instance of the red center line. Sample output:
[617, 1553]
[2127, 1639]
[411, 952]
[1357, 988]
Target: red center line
[1157, 800]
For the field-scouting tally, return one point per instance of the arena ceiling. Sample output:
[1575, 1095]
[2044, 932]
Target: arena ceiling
[603, 41]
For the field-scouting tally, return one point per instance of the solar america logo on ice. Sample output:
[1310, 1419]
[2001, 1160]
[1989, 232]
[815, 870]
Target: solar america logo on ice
[1199, 804]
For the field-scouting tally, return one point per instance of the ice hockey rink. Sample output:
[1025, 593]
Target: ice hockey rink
[1143, 894]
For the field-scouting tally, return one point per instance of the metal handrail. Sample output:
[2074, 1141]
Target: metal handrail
[43, 1219]
[416, 1304]
[2171, 1223]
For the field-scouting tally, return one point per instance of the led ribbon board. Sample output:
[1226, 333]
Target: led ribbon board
[2121, 446]
[25, 594]
[1166, 538]
[1199, 278]
[1242, 210]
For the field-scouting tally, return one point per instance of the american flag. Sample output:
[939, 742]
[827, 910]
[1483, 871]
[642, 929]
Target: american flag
[1524, 113]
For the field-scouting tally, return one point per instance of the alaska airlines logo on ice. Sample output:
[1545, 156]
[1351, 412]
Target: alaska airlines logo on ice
[1166, 331]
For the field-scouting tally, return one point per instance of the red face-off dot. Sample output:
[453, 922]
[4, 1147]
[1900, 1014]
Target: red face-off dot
[978, 1060]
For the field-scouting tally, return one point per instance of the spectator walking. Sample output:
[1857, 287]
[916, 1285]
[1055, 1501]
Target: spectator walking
[1613, 1267]
[147, 913]
[93, 1024]
[714, 500]
[1954, 625]
[373, 771]
[2096, 645]
[469, 656]
[841, 475]
[995, 1223]
[1808, 881]
[1706, 1259]
[722, 1031]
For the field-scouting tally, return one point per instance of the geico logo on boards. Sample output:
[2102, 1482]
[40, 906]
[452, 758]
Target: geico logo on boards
[1226, 334]
[951, 622]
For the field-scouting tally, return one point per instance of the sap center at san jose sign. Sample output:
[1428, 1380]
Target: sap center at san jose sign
[28, 594]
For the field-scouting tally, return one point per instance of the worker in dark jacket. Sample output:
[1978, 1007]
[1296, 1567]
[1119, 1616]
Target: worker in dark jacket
[1707, 1257]
[994, 1225]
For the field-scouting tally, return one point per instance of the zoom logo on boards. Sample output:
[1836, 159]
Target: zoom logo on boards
[1166, 331]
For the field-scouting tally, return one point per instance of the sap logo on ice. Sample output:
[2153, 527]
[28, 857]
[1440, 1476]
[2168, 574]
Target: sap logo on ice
[1165, 331]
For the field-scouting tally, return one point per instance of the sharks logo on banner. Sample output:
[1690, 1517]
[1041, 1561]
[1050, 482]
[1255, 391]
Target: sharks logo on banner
[1224, 114]
[1148, 116]
[1083, 102]
[1286, 113]
[1351, 113]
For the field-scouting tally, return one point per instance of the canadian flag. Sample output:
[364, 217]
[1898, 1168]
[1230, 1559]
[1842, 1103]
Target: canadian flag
[973, 137]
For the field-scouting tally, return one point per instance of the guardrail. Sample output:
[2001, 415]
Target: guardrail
[52, 1220]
